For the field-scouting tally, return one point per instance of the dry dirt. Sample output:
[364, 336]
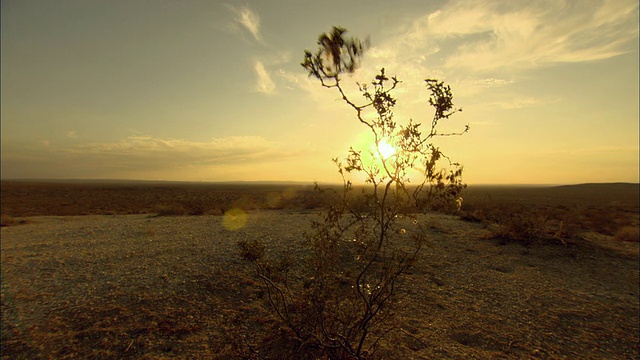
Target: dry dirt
[138, 286]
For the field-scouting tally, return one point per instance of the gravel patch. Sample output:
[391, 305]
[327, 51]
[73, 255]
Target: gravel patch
[140, 286]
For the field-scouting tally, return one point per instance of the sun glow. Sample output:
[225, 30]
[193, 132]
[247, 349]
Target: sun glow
[385, 150]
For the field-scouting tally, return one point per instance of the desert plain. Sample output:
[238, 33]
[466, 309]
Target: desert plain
[138, 270]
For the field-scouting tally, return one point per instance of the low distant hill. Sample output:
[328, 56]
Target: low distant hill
[601, 186]
[591, 194]
[615, 191]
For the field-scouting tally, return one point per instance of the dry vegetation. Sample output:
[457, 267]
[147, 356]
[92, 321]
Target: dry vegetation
[517, 273]
[24, 199]
[527, 214]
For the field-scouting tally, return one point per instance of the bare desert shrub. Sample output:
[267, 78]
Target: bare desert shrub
[170, 210]
[337, 302]
[482, 209]
[600, 220]
[565, 229]
[24, 198]
[472, 216]
[8, 220]
[215, 211]
[246, 203]
[521, 226]
[628, 233]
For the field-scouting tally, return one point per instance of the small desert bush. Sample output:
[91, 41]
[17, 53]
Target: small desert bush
[476, 215]
[215, 211]
[563, 229]
[8, 220]
[247, 203]
[337, 302]
[628, 233]
[170, 210]
[523, 227]
[518, 223]
[195, 208]
[479, 210]
[600, 220]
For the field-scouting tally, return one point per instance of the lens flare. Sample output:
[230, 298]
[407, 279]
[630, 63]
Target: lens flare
[234, 219]
[385, 149]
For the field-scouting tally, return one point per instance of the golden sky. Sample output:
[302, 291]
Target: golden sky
[213, 91]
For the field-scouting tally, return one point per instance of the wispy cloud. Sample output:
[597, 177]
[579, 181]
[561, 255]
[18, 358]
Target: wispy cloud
[159, 150]
[483, 46]
[469, 86]
[264, 84]
[140, 157]
[72, 134]
[515, 35]
[473, 37]
[520, 102]
[248, 19]
[300, 81]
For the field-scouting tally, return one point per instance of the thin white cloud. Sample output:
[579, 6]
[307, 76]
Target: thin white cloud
[520, 102]
[159, 150]
[264, 84]
[248, 19]
[490, 82]
[496, 35]
[278, 58]
[72, 134]
[327, 100]
[300, 81]
[470, 86]
[466, 43]
[147, 157]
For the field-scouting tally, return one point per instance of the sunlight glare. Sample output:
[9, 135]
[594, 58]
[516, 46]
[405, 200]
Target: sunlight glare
[385, 149]
[234, 219]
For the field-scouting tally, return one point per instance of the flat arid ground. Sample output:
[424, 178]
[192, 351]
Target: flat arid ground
[117, 271]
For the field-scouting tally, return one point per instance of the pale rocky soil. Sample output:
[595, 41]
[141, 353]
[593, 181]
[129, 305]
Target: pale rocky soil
[136, 286]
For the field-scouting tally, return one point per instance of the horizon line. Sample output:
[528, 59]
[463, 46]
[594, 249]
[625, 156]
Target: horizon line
[283, 182]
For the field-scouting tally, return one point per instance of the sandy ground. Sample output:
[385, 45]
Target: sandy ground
[139, 286]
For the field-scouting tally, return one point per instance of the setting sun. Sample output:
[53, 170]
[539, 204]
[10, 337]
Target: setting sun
[296, 179]
[172, 107]
[385, 150]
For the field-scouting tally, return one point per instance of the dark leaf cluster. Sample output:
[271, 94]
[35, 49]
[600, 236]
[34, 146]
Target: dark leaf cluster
[336, 55]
